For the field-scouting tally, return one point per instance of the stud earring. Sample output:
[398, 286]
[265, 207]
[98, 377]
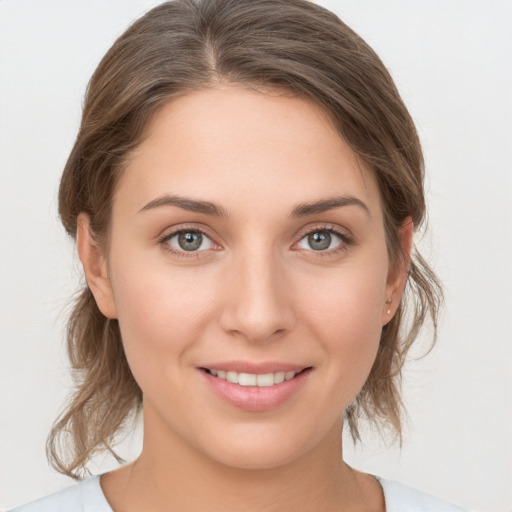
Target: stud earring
[388, 302]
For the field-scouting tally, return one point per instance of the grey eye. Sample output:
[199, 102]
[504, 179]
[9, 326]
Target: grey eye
[190, 241]
[320, 240]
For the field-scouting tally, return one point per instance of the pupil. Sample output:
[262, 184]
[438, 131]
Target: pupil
[320, 240]
[190, 241]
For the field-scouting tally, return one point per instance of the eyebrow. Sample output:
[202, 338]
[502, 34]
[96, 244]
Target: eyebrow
[208, 208]
[191, 205]
[324, 205]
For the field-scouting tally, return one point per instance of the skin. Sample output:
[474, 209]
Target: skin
[257, 292]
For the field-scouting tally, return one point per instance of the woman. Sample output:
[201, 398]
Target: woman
[243, 190]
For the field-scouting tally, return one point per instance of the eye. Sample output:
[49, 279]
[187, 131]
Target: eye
[189, 240]
[321, 240]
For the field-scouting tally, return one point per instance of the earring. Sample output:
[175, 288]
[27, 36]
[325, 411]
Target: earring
[388, 302]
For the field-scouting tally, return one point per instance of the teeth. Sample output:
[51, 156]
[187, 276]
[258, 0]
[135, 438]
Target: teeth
[251, 379]
[265, 380]
[232, 377]
[247, 379]
[279, 377]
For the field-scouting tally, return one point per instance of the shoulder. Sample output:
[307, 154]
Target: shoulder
[400, 497]
[85, 496]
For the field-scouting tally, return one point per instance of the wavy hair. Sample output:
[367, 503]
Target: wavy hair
[180, 46]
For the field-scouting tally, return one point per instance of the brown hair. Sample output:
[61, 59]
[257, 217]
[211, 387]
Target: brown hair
[184, 45]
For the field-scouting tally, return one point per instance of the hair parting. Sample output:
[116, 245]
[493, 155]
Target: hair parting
[277, 47]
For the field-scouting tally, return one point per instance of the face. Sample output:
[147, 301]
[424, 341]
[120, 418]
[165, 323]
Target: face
[248, 268]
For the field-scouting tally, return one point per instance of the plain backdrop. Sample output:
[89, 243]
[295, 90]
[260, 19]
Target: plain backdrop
[452, 61]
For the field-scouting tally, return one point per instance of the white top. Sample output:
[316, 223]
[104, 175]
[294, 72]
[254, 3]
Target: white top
[87, 496]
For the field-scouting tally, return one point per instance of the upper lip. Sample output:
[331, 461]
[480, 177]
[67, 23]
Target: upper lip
[252, 367]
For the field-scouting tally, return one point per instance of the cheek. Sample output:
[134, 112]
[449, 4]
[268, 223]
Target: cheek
[162, 313]
[344, 314]
[349, 298]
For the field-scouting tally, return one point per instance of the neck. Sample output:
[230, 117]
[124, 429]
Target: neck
[172, 475]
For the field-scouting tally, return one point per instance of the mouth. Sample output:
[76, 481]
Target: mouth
[261, 380]
[271, 385]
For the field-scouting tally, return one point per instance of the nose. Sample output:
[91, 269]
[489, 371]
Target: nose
[258, 303]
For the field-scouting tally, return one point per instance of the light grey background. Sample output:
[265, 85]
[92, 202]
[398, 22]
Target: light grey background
[452, 60]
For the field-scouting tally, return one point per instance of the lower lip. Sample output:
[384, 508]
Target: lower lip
[254, 398]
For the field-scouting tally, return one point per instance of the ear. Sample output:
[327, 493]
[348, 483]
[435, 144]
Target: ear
[94, 262]
[397, 276]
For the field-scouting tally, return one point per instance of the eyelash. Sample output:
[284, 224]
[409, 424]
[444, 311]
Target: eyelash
[346, 241]
[164, 239]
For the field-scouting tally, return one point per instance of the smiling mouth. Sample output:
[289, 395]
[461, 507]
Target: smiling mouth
[262, 380]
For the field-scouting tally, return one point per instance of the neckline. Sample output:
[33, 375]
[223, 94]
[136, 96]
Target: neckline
[93, 494]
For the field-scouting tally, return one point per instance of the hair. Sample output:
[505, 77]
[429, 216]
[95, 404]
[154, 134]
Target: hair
[290, 46]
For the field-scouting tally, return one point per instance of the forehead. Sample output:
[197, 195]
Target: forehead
[234, 145]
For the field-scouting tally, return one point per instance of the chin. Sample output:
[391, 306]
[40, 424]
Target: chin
[258, 450]
[256, 458]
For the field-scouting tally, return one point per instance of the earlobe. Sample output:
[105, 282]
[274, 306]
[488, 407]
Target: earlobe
[94, 262]
[397, 277]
